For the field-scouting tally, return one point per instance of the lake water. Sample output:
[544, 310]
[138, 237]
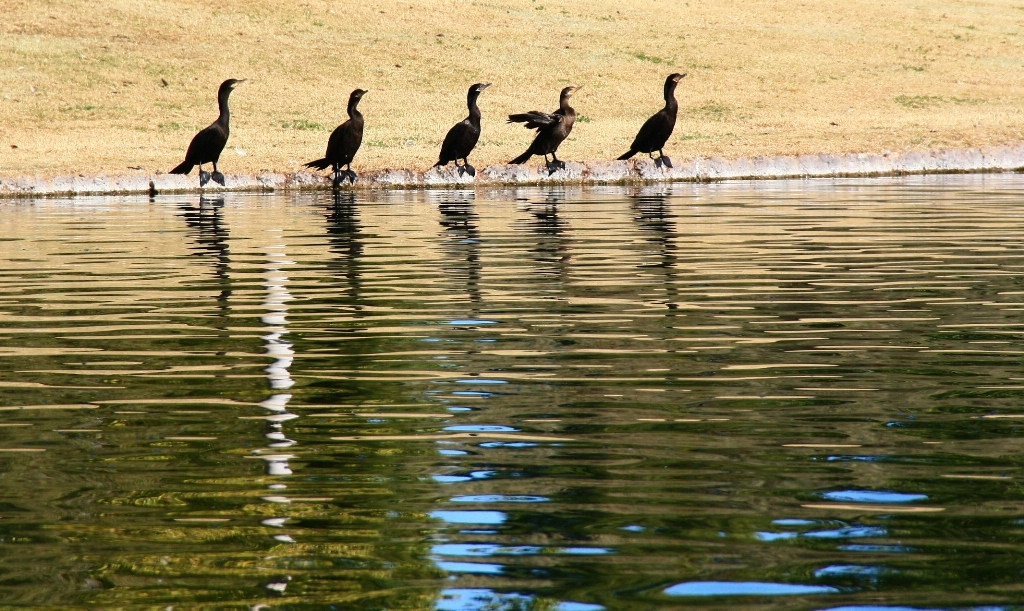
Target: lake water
[775, 395]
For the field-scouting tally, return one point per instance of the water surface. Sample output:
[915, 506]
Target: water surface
[793, 394]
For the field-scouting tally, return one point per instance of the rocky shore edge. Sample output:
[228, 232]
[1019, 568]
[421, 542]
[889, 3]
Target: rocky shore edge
[636, 171]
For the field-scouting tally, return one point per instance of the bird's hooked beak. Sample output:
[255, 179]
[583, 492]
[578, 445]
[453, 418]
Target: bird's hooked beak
[483, 86]
[237, 81]
[679, 77]
[576, 88]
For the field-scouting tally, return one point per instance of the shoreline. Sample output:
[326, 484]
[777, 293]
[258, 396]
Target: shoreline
[639, 170]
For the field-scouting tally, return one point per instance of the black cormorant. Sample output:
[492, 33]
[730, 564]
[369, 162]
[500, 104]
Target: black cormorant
[207, 145]
[551, 130]
[343, 143]
[655, 131]
[462, 137]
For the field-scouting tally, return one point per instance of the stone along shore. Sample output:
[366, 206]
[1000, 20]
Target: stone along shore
[636, 171]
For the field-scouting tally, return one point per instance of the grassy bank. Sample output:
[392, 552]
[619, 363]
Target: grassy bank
[118, 86]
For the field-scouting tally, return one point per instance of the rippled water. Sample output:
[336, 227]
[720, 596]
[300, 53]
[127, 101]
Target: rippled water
[800, 395]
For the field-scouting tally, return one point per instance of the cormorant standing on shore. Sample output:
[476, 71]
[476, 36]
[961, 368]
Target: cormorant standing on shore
[207, 145]
[655, 131]
[552, 129]
[343, 143]
[462, 137]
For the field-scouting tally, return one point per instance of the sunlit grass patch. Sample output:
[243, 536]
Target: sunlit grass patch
[760, 81]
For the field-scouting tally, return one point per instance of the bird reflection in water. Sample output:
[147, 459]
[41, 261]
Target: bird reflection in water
[653, 215]
[461, 235]
[210, 234]
[344, 233]
[550, 239]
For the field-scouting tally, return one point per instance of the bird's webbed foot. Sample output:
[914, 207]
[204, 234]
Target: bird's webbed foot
[555, 165]
[218, 178]
[468, 169]
[351, 176]
[204, 177]
[460, 169]
[666, 161]
[337, 178]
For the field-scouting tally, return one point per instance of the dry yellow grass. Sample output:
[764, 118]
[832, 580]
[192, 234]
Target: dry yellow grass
[82, 82]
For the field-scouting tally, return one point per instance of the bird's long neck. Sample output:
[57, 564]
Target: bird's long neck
[670, 96]
[225, 113]
[474, 110]
[564, 108]
[353, 112]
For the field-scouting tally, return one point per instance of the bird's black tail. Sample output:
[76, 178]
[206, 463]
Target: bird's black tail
[320, 164]
[627, 154]
[522, 158]
[183, 168]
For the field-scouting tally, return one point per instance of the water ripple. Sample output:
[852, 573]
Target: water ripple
[562, 397]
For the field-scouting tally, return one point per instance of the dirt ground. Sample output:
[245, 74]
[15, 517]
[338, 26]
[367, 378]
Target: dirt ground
[118, 86]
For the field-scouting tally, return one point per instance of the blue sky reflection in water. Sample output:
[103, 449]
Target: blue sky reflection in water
[798, 393]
